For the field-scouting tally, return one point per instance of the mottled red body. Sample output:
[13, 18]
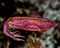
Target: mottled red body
[32, 23]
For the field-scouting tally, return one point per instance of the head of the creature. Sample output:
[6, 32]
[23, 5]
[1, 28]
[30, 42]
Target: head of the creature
[10, 24]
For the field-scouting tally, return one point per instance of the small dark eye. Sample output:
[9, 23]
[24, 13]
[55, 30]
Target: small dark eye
[47, 45]
[8, 25]
[12, 23]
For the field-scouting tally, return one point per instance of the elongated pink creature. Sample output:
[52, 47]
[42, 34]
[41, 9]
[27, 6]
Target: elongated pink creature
[31, 23]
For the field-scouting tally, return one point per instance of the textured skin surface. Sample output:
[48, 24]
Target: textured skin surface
[31, 23]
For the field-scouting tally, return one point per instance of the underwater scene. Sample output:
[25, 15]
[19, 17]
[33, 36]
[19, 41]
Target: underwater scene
[29, 23]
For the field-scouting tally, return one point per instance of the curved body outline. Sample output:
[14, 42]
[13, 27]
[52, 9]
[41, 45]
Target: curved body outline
[27, 23]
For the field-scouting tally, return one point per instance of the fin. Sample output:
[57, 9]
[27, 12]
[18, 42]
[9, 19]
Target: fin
[34, 14]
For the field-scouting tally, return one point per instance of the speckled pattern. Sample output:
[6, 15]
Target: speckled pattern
[33, 24]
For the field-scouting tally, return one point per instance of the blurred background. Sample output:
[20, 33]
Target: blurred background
[49, 9]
